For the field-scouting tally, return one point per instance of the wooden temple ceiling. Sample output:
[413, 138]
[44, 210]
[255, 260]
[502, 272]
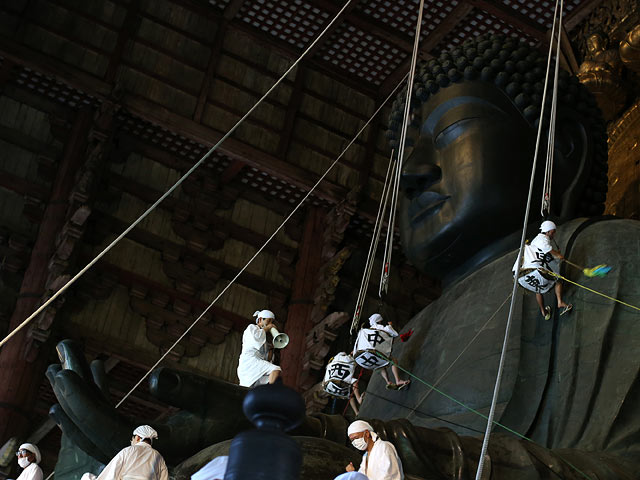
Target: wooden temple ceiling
[148, 86]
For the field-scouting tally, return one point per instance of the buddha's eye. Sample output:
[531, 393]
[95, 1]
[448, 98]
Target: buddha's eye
[453, 131]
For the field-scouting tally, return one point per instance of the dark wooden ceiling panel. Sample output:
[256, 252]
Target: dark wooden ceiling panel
[361, 54]
[402, 15]
[479, 22]
[541, 11]
[293, 21]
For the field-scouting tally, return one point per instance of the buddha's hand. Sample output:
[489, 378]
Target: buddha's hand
[211, 410]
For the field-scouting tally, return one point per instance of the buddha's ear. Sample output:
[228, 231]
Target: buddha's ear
[572, 163]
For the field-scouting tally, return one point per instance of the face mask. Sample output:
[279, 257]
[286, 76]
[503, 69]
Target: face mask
[359, 443]
[23, 462]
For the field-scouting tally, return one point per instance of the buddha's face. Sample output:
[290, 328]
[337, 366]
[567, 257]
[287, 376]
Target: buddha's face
[465, 182]
[595, 43]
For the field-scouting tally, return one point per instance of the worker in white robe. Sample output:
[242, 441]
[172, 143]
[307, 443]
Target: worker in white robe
[550, 258]
[140, 461]
[254, 368]
[28, 458]
[376, 323]
[380, 461]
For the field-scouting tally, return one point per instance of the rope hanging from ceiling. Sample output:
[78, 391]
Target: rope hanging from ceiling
[485, 443]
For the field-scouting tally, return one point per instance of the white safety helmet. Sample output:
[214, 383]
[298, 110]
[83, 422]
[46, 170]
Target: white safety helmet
[145, 431]
[375, 319]
[547, 226]
[263, 314]
[33, 449]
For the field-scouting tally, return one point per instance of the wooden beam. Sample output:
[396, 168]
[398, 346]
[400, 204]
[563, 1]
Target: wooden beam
[21, 378]
[369, 152]
[301, 305]
[230, 11]
[580, 13]
[512, 17]
[231, 171]
[290, 117]
[129, 26]
[429, 43]
[22, 186]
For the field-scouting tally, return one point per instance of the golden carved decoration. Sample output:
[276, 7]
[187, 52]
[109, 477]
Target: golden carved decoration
[623, 197]
[601, 73]
[630, 50]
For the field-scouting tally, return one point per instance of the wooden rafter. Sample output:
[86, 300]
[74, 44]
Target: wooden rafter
[580, 13]
[214, 57]
[292, 109]
[127, 31]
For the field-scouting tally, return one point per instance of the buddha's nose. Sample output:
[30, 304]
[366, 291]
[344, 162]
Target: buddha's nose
[419, 177]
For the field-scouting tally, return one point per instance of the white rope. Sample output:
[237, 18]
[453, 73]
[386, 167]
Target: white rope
[168, 192]
[261, 248]
[545, 207]
[386, 263]
[496, 389]
[375, 238]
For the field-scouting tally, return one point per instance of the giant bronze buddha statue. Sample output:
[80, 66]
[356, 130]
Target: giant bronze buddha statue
[570, 384]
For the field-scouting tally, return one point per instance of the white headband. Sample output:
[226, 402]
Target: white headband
[263, 314]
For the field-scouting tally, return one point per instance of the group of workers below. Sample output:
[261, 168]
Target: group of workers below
[140, 461]
[379, 462]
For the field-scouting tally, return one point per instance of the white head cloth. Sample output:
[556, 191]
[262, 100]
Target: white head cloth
[33, 449]
[352, 476]
[145, 431]
[547, 226]
[360, 426]
[263, 314]
[375, 319]
[214, 470]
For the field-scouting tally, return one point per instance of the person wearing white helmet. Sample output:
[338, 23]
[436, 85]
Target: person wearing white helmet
[28, 458]
[254, 368]
[376, 322]
[140, 461]
[542, 242]
[380, 460]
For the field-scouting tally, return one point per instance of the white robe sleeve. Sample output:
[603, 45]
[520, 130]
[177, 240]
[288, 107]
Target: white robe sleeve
[164, 473]
[113, 470]
[390, 330]
[384, 463]
[254, 337]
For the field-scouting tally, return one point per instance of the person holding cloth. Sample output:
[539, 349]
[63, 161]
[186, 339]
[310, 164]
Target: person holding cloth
[380, 461]
[254, 368]
[137, 462]
[552, 257]
[28, 458]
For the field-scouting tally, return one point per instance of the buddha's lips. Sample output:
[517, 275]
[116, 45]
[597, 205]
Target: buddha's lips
[425, 205]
